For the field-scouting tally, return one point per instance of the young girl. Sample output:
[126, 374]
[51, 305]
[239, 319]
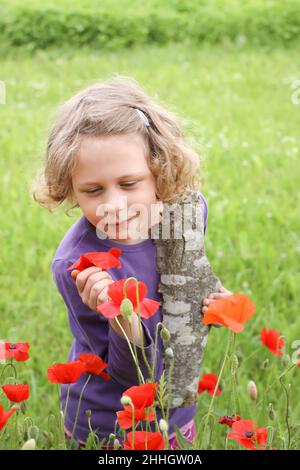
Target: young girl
[112, 146]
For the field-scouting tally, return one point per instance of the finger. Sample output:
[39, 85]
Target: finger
[83, 276]
[93, 279]
[103, 296]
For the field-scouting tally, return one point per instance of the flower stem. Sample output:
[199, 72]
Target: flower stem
[79, 403]
[229, 343]
[129, 345]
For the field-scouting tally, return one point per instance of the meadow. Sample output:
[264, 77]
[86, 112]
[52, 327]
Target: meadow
[235, 103]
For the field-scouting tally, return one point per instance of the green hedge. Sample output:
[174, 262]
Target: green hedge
[111, 24]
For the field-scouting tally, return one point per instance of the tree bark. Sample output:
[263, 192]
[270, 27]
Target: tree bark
[186, 278]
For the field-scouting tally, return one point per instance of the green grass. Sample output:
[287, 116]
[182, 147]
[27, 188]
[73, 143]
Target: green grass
[236, 105]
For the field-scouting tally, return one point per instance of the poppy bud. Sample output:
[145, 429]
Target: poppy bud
[165, 334]
[29, 445]
[126, 309]
[112, 437]
[169, 353]
[88, 413]
[117, 444]
[234, 364]
[252, 390]
[271, 412]
[265, 364]
[163, 425]
[126, 400]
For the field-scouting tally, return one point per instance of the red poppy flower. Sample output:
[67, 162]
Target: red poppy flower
[5, 415]
[271, 340]
[208, 383]
[16, 393]
[247, 434]
[17, 351]
[232, 311]
[94, 365]
[142, 396]
[229, 420]
[67, 373]
[101, 259]
[125, 416]
[111, 308]
[155, 441]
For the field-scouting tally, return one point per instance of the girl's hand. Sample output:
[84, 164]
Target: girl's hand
[212, 297]
[92, 285]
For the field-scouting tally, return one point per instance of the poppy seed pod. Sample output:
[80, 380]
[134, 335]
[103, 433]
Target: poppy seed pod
[125, 400]
[88, 413]
[252, 390]
[112, 437]
[126, 309]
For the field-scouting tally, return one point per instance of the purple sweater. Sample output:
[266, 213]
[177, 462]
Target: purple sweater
[93, 334]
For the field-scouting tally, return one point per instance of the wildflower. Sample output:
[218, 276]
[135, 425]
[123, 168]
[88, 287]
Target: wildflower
[125, 416]
[16, 393]
[94, 365]
[5, 415]
[111, 309]
[229, 420]
[271, 340]
[66, 373]
[232, 311]
[144, 441]
[101, 259]
[142, 396]
[208, 383]
[247, 434]
[17, 351]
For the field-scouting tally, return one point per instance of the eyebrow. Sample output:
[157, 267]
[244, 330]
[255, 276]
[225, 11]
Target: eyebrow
[88, 183]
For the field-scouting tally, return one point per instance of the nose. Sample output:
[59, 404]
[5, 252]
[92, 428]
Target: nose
[116, 205]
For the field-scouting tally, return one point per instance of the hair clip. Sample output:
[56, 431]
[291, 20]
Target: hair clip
[143, 116]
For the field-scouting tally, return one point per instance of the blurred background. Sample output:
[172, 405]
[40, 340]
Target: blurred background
[230, 70]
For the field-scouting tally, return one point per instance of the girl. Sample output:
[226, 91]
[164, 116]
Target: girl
[112, 147]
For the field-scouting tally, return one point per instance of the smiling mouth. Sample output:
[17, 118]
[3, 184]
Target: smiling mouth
[121, 223]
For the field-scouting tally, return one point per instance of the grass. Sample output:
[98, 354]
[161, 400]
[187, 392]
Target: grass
[236, 105]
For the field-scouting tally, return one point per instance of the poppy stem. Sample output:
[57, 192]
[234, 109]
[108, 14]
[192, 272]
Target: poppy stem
[229, 343]
[288, 369]
[14, 369]
[133, 424]
[140, 375]
[155, 350]
[129, 345]
[169, 388]
[79, 403]
[139, 320]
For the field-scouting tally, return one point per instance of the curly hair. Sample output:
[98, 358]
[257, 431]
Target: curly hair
[106, 108]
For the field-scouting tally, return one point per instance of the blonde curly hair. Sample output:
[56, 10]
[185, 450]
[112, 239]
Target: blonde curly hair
[107, 109]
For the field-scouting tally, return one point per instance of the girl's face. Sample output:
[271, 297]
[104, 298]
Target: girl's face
[112, 183]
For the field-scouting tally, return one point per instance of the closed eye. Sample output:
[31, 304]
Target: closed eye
[126, 185]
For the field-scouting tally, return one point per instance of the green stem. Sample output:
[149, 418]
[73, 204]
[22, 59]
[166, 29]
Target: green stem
[140, 375]
[133, 425]
[278, 378]
[139, 321]
[78, 407]
[215, 390]
[129, 345]
[155, 349]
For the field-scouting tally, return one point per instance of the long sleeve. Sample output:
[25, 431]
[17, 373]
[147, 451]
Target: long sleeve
[96, 335]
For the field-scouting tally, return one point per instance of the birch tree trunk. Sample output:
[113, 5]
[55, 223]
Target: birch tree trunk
[186, 278]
